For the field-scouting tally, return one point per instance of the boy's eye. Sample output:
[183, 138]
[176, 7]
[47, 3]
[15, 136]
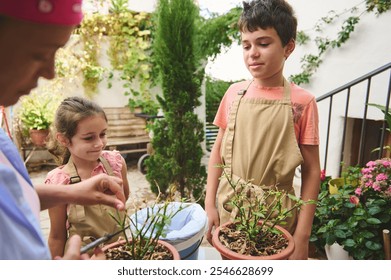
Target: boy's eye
[103, 135]
[88, 138]
[264, 44]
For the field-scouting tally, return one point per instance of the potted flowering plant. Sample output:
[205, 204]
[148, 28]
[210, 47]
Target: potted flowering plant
[355, 216]
[36, 114]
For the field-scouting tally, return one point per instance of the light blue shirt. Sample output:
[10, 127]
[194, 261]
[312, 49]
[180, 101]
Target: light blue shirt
[21, 237]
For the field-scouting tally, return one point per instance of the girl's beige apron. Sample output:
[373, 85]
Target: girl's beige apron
[91, 222]
[259, 144]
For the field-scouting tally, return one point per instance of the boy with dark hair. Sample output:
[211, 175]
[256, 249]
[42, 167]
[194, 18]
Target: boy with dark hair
[267, 126]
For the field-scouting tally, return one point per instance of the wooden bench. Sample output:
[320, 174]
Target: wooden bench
[127, 133]
[211, 132]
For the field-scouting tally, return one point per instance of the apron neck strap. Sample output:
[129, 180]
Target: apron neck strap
[74, 176]
[243, 91]
[287, 90]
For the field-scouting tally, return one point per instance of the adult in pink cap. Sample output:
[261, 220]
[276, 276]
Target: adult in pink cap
[31, 31]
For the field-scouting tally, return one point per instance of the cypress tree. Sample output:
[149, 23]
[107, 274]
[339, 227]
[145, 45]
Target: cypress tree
[176, 161]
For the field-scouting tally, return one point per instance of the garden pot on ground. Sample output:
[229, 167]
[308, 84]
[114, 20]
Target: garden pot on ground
[38, 136]
[228, 254]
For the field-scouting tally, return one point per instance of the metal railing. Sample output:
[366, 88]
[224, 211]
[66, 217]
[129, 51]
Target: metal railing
[366, 80]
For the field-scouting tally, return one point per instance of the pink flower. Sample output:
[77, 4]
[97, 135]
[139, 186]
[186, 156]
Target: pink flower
[376, 177]
[365, 171]
[367, 174]
[358, 191]
[381, 177]
[323, 175]
[354, 200]
[376, 187]
[371, 164]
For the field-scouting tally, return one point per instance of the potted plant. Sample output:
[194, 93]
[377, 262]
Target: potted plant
[256, 232]
[329, 229]
[141, 235]
[356, 216]
[36, 113]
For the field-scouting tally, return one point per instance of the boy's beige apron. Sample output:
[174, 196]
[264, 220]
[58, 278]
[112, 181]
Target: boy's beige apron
[259, 144]
[91, 222]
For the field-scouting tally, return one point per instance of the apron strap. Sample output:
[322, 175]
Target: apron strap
[287, 91]
[243, 91]
[74, 176]
[231, 128]
[106, 165]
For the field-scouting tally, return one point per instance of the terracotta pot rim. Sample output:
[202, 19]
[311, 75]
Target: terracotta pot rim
[171, 248]
[224, 251]
[39, 136]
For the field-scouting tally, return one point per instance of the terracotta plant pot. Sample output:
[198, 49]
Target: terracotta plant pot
[38, 136]
[227, 254]
[170, 247]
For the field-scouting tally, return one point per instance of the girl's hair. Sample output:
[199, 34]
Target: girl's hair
[71, 111]
[277, 14]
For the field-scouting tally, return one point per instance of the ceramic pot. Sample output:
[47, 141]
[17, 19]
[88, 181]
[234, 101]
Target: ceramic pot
[227, 254]
[336, 252]
[334, 184]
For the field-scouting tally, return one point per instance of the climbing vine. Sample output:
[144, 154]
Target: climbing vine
[127, 36]
[311, 62]
[91, 32]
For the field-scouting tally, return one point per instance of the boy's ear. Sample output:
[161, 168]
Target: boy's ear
[289, 48]
[62, 139]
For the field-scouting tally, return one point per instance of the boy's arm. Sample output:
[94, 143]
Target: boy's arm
[310, 178]
[214, 173]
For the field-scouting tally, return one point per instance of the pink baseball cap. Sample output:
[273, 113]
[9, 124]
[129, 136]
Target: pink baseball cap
[61, 12]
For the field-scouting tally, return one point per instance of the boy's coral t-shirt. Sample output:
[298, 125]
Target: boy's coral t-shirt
[304, 108]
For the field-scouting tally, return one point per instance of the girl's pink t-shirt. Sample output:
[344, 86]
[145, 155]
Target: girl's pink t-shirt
[304, 108]
[114, 158]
